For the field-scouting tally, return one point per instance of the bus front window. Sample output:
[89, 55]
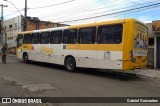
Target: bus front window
[19, 40]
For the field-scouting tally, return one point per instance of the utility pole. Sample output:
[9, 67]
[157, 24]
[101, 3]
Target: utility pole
[25, 17]
[2, 27]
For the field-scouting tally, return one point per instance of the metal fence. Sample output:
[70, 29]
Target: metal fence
[150, 57]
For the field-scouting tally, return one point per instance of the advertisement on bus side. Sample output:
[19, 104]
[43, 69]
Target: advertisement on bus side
[140, 40]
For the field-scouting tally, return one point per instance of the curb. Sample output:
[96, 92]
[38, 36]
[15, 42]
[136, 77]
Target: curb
[146, 73]
[156, 77]
[11, 55]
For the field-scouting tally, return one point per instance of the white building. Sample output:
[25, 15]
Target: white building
[11, 28]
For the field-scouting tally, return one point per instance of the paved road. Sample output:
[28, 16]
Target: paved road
[48, 80]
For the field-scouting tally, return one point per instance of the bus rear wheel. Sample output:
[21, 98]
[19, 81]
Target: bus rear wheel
[70, 64]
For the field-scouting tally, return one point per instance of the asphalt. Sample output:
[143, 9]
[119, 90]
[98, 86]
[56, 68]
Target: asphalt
[146, 73]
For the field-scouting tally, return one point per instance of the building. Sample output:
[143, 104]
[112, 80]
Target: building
[0, 33]
[154, 44]
[33, 23]
[150, 56]
[11, 28]
[15, 25]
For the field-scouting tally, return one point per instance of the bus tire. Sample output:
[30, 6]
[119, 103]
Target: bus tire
[70, 64]
[25, 58]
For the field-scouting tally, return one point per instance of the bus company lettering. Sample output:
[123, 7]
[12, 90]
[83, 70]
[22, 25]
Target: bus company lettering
[44, 49]
[25, 46]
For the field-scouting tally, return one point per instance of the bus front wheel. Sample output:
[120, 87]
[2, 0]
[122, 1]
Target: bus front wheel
[25, 58]
[70, 64]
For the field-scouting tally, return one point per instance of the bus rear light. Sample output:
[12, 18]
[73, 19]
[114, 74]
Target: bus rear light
[131, 57]
[131, 53]
[139, 58]
[133, 60]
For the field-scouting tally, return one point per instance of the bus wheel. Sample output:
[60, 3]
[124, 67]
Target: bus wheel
[70, 64]
[25, 58]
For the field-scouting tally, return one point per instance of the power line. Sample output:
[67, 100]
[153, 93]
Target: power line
[91, 4]
[90, 10]
[111, 13]
[13, 13]
[53, 5]
[83, 8]
[80, 12]
[42, 7]
[93, 10]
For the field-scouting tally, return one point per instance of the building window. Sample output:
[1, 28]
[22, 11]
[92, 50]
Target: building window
[110, 34]
[56, 37]
[87, 35]
[10, 26]
[45, 37]
[151, 42]
[10, 37]
[16, 25]
[70, 36]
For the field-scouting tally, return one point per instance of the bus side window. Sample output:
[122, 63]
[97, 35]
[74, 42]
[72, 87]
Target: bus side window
[110, 34]
[56, 37]
[87, 35]
[45, 38]
[35, 38]
[26, 39]
[70, 36]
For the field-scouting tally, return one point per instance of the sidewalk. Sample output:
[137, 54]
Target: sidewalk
[11, 55]
[146, 73]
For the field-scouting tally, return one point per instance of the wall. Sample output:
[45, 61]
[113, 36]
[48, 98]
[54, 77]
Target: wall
[11, 28]
[151, 47]
[0, 34]
[35, 24]
[150, 32]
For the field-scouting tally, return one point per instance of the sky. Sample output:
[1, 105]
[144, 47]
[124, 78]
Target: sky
[84, 11]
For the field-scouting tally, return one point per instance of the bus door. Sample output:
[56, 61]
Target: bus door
[19, 45]
[35, 47]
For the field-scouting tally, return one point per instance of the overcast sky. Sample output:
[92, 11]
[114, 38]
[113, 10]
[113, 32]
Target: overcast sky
[78, 11]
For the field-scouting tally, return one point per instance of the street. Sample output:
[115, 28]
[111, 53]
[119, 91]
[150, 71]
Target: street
[18, 79]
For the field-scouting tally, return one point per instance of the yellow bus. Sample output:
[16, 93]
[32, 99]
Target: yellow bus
[117, 44]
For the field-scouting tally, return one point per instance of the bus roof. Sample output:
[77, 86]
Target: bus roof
[103, 23]
[44, 30]
[84, 25]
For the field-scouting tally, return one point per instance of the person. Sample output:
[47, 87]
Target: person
[4, 52]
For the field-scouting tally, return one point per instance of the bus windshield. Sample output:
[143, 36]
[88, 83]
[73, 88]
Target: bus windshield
[19, 40]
